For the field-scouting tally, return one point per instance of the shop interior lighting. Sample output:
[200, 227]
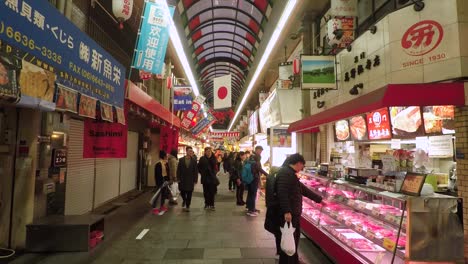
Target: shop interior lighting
[274, 38]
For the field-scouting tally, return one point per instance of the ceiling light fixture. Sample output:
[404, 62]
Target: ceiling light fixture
[271, 44]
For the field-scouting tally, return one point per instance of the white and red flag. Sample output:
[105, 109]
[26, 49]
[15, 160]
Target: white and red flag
[222, 92]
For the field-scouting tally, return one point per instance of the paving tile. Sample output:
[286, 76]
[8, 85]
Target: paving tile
[266, 243]
[185, 253]
[242, 261]
[204, 243]
[258, 252]
[222, 253]
[273, 261]
[239, 243]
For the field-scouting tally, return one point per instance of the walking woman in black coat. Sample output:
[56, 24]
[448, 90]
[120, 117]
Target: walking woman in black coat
[207, 169]
[187, 176]
[289, 191]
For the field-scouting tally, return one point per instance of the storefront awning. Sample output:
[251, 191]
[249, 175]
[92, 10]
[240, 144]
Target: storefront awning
[390, 95]
[142, 99]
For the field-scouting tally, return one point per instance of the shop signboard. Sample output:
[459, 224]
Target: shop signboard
[59, 158]
[190, 115]
[104, 140]
[281, 138]
[66, 99]
[439, 119]
[253, 123]
[269, 112]
[182, 98]
[48, 39]
[344, 7]
[342, 131]
[406, 121]
[318, 72]
[9, 71]
[202, 124]
[154, 36]
[285, 70]
[378, 124]
[358, 128]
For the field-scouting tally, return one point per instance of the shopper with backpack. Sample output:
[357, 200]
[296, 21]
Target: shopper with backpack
[289, 192]
[251, 177]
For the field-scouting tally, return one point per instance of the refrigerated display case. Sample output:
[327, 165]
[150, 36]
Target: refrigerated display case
[359, 224]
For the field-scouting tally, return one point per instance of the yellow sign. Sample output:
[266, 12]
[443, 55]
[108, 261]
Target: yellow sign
[389, 244]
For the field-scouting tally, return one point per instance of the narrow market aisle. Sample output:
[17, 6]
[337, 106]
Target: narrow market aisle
[224, 236]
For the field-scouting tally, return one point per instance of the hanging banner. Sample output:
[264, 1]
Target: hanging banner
[49, 40]
[106, 112]
[343, 8]
[9, 71]
[221, 136]
[204, 123]
[186, 121]
[104, 140]
[87, 106]
[182, 98]
[285, 70]
[120, 114]
[37, 82]
[154, 36]
[222, 92]
[66, 99]
[169, 139]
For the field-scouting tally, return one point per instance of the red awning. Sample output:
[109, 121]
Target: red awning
[390, 95]
[142, 99]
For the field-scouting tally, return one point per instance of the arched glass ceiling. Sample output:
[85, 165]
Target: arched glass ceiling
[224, 36]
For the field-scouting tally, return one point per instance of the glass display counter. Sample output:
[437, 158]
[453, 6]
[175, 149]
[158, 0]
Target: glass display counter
[360, 224]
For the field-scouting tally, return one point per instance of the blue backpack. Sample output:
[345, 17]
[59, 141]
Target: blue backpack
[247, 175]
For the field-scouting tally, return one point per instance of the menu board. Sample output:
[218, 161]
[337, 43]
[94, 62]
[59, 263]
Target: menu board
[412, 184]
[342, 130]
[378, 124]
[358, 128]
[439, 119]
[406, 121]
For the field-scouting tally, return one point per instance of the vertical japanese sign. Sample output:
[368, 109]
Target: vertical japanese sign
[45, 38]
[204, 123]
[154, 36]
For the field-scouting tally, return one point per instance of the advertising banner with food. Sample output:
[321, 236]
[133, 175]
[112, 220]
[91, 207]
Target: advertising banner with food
[37, 82]
[406, 121]
[358, 128]
[66, 99]
[104, 140]
[342, 131]
[9, 71]
[87, 106]
[106, 112]
[439, 119]
[120, 114]
[378, 124]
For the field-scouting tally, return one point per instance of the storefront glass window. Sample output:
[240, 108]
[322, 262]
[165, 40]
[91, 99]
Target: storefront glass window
[364, 10]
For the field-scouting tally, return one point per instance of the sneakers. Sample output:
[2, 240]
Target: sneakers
[249, 213]
[206, 207]
[163, 208]
[161, 213]
[212, 208]
[156, 211]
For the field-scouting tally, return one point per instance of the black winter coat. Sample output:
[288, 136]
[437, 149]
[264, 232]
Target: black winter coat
[207, 169]
[290, 191]
[187, 176]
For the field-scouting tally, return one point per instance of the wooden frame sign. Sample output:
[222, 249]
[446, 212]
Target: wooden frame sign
[412, 184]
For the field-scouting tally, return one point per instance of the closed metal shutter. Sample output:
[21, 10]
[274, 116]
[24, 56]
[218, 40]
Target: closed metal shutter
[128, 166]
[107, 180]
[80, 174]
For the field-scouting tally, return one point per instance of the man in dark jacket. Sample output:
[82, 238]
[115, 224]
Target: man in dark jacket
[252, 187]
[289, 191]
[207, 169]
[187, 176]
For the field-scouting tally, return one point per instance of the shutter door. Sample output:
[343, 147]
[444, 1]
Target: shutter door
[128, 167]
[80, 174]
[107, 180]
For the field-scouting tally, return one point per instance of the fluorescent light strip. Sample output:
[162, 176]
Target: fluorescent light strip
[279, 27]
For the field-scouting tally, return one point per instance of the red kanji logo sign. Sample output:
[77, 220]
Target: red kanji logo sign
[422, 38]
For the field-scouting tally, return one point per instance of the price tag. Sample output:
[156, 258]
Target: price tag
[340, 218]
[390, 218]
[362, 206]
[358, 228]
[389, 244]
[375, 212]
[348, 223]
[351, 203]
[370, 235]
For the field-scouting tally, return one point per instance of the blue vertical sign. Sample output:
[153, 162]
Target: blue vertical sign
[154, 36]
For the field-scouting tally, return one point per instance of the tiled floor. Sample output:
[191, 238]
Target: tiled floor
[225, 236]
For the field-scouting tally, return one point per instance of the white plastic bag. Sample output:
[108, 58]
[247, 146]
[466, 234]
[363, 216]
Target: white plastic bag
[174, 188]
[288, 245]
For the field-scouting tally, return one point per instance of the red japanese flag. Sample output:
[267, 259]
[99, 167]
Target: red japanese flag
[222, 92]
